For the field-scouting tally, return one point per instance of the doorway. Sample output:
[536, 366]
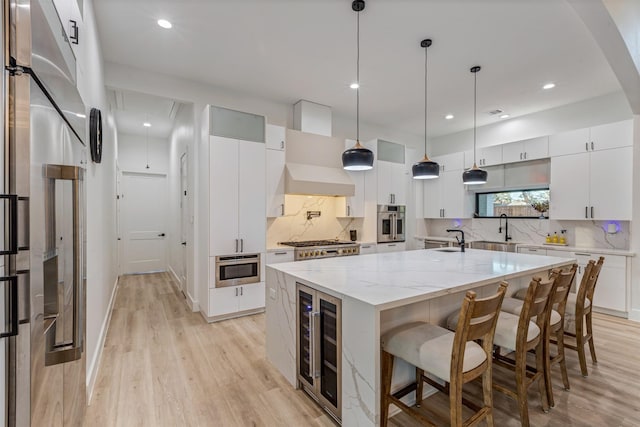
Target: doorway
[184, 220]
[144, 222]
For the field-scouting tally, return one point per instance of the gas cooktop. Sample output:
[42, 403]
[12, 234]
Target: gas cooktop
[312, 249]
[307, 243]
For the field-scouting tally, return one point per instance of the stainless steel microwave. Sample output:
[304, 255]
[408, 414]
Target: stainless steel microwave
[391, 223]
[234, 270]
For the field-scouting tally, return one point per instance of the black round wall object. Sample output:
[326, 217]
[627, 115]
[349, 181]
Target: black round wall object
[95, 135]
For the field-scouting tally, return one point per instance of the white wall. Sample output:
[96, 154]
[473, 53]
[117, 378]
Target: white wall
[181, 141]
[603, 109]
[100, 190]
[136, 152]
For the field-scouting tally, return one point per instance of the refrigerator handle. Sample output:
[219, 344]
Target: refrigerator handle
[13, 309]
[56, 353]
[312, 346]
[13, 224]
[316, 344]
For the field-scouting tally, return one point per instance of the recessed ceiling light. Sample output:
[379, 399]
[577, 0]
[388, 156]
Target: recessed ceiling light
[504, 116]
[164, 23]
[354, 85]
[449, 116]
[146, 124]
[549, 86]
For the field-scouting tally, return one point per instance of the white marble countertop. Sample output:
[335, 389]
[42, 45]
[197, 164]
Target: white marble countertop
[387, 280]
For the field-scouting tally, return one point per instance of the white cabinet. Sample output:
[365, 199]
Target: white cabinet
[391, 247]
[593, 185]
[281, 255]
[486, 156]
[236, 196]
[451, 162]
[611, 288]
[532, 251]
[368, 248]
[353, 206]
[236, 299]
[392, 183]
[603, 137]
[275, 158]
[275, 137]
[529, 149]
[447, 197]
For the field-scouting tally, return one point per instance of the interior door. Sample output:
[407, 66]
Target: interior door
[184, 220]
[144, 222]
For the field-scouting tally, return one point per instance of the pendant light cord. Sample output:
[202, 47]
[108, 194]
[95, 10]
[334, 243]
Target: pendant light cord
[475, 103]
[425, 101]
[358, 77]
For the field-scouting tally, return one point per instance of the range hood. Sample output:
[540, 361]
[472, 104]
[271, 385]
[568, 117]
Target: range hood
[314, 162]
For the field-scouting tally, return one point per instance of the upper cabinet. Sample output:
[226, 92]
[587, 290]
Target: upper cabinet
[529, 149]
[486, 156]
[451, 162]
[275, 158]
[392, 175]
[603, 137]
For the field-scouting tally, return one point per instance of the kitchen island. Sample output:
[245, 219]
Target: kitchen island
[378, 292]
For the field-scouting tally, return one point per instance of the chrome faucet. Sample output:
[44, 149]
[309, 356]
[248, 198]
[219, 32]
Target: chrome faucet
[460, 241]
[506, 227]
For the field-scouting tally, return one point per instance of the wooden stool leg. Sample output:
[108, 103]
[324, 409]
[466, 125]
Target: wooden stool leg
[455, 403]
[563, 360]
[542, 380]
[487, 394]
[580, 346]
[419, 386]
[386, 360]
[592, 347]
[546, 359]
[521, 387]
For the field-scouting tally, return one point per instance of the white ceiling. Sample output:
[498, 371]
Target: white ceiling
[133, 109]
[286, 50]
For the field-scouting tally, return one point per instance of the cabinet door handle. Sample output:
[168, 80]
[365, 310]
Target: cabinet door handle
[393, 245]
[520, 156]
[236, 246]
[533, 250]
[279, 253]
[316, 344]
[591, 211]
[312, 344]
[525, 155]
[241, 245]
[236, 291]
[582, 254]
[366, 247]
[282, 209]
[586, 211]
[348, 210]
[241, 291]
[282, 144]
[13, 215]
[592, 147]
[586, 146]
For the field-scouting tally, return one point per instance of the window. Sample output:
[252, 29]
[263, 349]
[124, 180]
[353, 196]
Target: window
[518, 203]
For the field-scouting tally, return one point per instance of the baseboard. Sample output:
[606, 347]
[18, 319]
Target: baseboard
[193, 304]
[634, 315]
[232, 315]
[174, 274]
[94, 366]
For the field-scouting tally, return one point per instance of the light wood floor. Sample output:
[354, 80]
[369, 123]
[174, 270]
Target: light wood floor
[165, 366]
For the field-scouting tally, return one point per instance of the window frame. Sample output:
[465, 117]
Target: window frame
[476, 214]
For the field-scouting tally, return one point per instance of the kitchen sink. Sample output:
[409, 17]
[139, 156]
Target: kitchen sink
[448, 250]
[493, 246]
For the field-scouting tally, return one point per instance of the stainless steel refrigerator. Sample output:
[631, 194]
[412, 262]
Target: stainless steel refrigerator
[43, 213]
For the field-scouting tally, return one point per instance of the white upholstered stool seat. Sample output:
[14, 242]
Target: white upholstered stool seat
[514, 306]
[429, 348]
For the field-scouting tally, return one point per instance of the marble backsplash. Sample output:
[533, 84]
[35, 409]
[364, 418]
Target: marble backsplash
[585, 234]
[294, 225]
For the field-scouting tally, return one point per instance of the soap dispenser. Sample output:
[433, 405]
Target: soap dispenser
[563, 239]
[548, 239]
[554, 239]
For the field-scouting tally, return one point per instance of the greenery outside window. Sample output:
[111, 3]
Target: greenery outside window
[516, 204]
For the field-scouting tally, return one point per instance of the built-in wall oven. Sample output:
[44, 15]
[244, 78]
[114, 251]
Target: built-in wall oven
[391, 223]
[234, 270]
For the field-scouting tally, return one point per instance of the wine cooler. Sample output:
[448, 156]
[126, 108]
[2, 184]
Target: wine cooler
[319, 347]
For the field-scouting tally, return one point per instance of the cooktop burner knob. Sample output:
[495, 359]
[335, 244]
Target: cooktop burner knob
[323, 253]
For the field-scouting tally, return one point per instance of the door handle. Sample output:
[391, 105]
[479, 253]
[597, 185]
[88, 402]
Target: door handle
[13, 218]
[161, 235]
[13, 309]
[67, 351]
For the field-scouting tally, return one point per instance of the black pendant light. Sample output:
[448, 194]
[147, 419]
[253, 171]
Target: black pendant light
[475, 175]
[425, 168]
[357, 158]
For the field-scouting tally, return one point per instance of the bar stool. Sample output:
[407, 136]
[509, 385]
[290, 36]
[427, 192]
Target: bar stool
[563, 281]
[519, 334]
[453, 357]
[578, 314]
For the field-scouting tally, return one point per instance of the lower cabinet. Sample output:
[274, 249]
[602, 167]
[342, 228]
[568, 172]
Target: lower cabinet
[391, 247]
[236, 299]
[368, 248]
[532, 251]
[284, 255]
